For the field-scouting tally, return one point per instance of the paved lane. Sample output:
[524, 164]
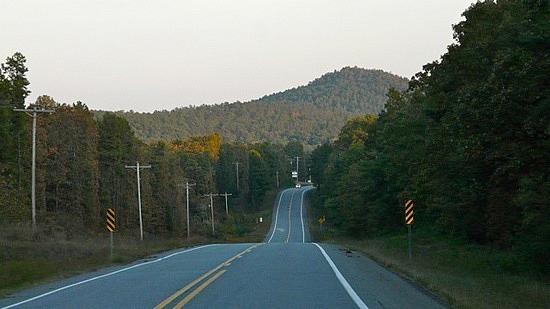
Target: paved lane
[286, 271]
[278, 275]
[289, 223]
[143, 284]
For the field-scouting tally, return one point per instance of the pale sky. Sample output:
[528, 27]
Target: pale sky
[154, 55]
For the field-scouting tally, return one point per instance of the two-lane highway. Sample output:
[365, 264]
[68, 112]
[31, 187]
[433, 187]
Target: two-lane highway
[288, 224]
[286, 271]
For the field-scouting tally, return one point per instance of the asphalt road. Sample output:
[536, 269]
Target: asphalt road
[286, 271]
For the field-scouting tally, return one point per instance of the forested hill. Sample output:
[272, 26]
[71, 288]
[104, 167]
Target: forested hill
[351, 89]
[308, 114]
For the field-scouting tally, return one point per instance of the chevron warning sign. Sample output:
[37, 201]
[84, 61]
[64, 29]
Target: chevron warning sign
[409, 212]
[110, 214]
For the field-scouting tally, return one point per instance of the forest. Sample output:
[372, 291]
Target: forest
[309, 115]
[468, 143]
[82, 169]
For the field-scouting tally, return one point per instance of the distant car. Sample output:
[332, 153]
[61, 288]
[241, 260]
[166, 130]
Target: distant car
[298, 185]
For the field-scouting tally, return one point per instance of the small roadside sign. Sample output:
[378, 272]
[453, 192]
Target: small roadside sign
[110, 224]
[409, 218]
[321, 220]
[409, 212]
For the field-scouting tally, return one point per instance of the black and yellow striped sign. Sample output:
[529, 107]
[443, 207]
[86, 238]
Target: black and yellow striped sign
[110, 213]
[409, 212]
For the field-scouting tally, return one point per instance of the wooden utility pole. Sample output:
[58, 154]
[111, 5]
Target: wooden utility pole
[187, 185]
[237, 164]
[137, 167]
[34, 114]
[297, 169]
[226, 195]
[212, 210]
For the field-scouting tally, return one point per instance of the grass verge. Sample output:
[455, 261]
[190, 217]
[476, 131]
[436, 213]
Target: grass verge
[462, 274]
[28, 259]
[466, 276]
[25, 263]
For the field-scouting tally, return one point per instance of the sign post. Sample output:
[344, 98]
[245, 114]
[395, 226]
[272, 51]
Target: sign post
[409, 218]
[110, 214]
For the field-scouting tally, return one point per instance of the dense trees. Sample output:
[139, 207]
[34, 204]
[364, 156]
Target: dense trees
[117, 147]
[467, 141]
[340, 183]
[68, 174]
[82, 170]
[309, 114]
[14, 138]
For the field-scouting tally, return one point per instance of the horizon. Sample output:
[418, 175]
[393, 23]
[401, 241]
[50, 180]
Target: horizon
[234, 102]
[187, 53]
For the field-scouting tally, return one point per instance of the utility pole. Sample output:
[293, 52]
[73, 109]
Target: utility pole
[187, 185]
[237, 164]
[212, 210]
[226, 195]
[297, 162]
[34, 114]
[137, 167]
[277, 173]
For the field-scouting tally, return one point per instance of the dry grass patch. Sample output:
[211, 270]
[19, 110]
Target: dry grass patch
[28, 258]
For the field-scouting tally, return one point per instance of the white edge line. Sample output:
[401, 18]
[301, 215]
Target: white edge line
[276, 216]
[343, 281]
[103, 276]
[302, 216]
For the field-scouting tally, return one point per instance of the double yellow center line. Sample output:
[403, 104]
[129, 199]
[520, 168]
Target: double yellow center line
[195, 292]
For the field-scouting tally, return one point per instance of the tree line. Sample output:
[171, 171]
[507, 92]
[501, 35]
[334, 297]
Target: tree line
[310, 114]
[467, 142]
[81, 169]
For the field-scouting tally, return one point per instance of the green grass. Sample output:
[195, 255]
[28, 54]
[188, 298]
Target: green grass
[15, 274]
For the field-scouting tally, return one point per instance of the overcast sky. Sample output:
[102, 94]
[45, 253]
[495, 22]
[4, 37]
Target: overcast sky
[153, 55]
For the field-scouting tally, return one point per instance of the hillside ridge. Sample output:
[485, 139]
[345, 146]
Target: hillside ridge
[309, 114]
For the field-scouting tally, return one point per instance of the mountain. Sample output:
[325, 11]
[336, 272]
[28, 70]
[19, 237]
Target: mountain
[354, 90]
[308, 114]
